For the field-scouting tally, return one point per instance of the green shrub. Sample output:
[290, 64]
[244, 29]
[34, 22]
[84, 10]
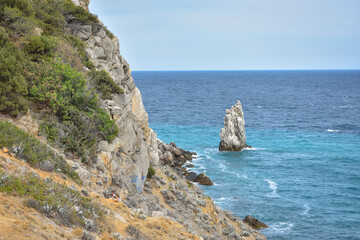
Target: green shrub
[40, 47]
[151, 171]
[13, 86]
[109, 33]
[49, 198]
[79, 46]
[77, 106]
[104, 84]
[23, 5]
[32, 150]
[78, 13]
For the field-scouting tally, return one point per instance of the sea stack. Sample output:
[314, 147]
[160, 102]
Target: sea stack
[233, 134]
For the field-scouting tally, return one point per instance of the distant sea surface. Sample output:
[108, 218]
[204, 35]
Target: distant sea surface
[302, 177]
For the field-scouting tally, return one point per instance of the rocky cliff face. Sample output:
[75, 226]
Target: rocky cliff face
[104, 201]
[233, 134]
[125, 161]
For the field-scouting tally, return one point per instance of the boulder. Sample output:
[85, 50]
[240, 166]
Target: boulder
[204, 180]
[233, 134]
[191, 176]
[254, 223]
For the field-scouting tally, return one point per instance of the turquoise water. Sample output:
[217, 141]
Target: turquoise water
[303, 176]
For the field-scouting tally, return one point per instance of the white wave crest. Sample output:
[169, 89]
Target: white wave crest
[273, 187]
[281, 227]
[223, 168]
[243, 176]
[306, 210]
[331, 130]
[253, 149]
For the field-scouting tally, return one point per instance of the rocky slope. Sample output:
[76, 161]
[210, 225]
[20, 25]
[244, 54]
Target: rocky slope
[113, 197]
[233, 134]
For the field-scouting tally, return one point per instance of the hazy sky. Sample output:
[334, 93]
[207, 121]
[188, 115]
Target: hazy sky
[234, 34]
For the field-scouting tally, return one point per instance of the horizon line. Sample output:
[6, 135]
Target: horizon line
[206, 70]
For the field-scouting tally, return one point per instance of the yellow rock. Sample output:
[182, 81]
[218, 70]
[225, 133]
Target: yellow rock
[5, 150]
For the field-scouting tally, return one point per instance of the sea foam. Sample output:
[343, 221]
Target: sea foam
[273, 187]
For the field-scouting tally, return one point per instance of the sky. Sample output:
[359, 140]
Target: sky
[234, 34]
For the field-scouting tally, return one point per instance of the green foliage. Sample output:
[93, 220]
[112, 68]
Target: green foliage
[23, 5]
[40, 47]
[79, 46]
[13, 85]
[33, 151]
[151, 171]
[50, 198]
[77, 107]
[109, 33]
[104, 84]
[29, 73]
[78, 13]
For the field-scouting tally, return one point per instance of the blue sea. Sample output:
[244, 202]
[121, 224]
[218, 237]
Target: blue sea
[302, 176]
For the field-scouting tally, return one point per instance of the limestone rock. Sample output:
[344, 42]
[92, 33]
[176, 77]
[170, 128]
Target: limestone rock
[204, 180]
[253, 222]
[233, 134]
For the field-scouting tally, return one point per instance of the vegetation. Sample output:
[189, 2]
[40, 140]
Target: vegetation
[54, 199]
[151, 171]
[33, 151]
[13, 86]
[40, 63]
[104, 84]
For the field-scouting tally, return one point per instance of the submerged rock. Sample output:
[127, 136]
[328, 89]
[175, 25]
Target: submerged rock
[253, 222]
[233, 134]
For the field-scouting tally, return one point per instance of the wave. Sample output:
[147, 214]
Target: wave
[273, 187]
[331, 130]
[223, 168]
[306, 210]
[243, 176]
[254, 149]
[281, 227]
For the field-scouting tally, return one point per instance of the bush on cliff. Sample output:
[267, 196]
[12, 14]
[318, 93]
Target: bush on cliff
[54, 199]
[13, 86]
[78, 108]
[40, 63]
[32, 150]
[104, 84]
[151, 171]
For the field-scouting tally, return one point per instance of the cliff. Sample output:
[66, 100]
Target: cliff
[76, 154]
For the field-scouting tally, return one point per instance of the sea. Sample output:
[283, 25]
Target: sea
[302, 176]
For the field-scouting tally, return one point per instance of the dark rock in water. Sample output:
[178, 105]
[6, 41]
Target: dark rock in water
[189, 166]
[191, 176]
[253, 222]
[188, 155]
[204, 180]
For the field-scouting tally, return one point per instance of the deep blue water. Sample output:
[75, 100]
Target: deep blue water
[303, 176]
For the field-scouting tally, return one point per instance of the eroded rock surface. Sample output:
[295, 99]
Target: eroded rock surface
[255, 223]
[233, 134]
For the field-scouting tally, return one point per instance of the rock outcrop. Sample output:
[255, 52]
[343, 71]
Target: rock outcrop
[204, 180]
[253, 222]
[126, 159]
[233, 134]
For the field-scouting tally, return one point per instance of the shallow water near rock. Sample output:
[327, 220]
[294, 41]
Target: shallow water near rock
[302, 178]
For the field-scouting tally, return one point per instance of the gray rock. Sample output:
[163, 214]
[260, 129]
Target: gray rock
[191, 176]
[233, 134]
